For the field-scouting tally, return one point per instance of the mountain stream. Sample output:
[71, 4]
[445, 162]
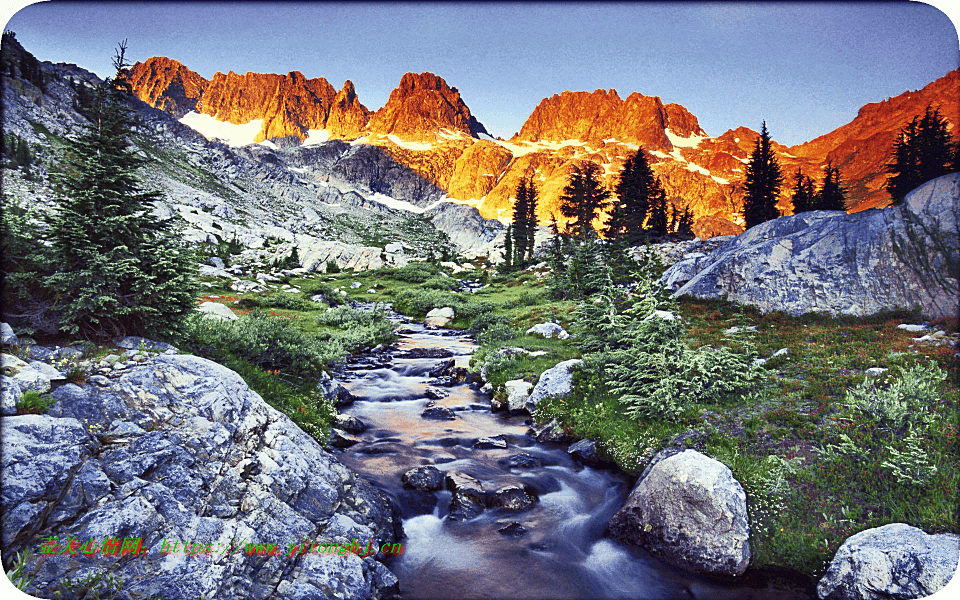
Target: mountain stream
[557, 551]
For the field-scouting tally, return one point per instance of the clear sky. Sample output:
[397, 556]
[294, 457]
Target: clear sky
[806, 68]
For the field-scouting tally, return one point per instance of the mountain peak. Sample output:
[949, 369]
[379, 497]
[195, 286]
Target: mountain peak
[421, 106]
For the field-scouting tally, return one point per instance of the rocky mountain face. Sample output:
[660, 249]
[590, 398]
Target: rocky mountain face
[426, 126]
[268, 199]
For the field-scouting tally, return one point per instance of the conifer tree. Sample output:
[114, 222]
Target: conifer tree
[637, 189]
[508, 248]
[922, 152]
[583, 198]
[831, 195]
[763, 182]
[658, 222]
[803, 193]
[524, 221]
[120, 270]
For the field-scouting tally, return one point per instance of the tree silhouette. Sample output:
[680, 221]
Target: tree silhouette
[803, 193]
[763, 182]
[922, 151]
[583, 198]
[637, 190]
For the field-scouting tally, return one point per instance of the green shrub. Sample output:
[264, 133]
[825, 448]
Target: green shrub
[271, 343]
[282, 300]
[330, 295]
[442, 283]
[418, 302]
[904, 403]
[343, 315]
[32, 402]
[331, 267]
[415, 272]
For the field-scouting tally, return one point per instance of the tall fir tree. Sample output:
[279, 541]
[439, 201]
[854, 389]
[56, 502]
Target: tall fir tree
[763, 182]
[508, 254]
[803, 193]
[583, 198]
[120, 270]
[524, 221]
[637, 189]
[923, 151]
[831, 195]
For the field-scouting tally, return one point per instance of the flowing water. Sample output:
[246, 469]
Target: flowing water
[562, 553]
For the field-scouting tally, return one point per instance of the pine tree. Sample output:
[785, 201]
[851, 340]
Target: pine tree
[763, 182]
[922, 152]
[636, 190]
[120, 271]
[831, 195]
[508, 248]
[658, 222]
[583, 198]
[524, 221]
[803, 193]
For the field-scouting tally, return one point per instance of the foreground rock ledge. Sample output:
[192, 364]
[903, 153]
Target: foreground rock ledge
[690, 511]
[893, 561]
[179, 449]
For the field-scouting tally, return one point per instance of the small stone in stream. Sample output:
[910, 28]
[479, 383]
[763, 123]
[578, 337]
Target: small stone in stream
[520, 461]
[442, 368]
[439, 413]
[427, 478]
[435, 394]
[427, 353]
[351, 424]
[342, 439]
[489, 443]
[514, 529]
[513, 497]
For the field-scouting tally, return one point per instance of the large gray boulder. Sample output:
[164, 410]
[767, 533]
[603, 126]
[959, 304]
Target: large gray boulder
[178, 448]
[439, 317]
[557, 381]
[839, 263]
[689, 510]
[893, 561]
[7, 336]
[9, 395]
[518, 391]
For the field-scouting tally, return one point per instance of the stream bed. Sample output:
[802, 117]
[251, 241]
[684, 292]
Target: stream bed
[554, 549]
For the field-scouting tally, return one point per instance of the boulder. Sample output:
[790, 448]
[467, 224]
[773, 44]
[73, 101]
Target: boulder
[439, 317]
[215, 310]
[490, 443]
[557, 381]
[892, 561]
[10, 393]
[426, 479]
[335, 392]
[549, 330]
[350, 424]
[839, 263]
[203, 459]
[29, 378]
[7, 336]
[552, 432]
[689, 510]
[11, 365]
[438, 413]
[518, 391]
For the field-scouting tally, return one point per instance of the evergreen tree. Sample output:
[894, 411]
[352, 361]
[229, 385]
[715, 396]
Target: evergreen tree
[763, 182]
[558, 261]
[508, 248]
[524, 221]
[583, 198]
[120, 271]
[803, 193]
[831, 195]
[658, 222]
[922, 152]
[684, 227]
[636, 190]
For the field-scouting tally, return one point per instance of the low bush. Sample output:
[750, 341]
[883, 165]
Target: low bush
[280, 300]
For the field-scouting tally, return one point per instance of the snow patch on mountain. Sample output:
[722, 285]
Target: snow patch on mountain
[410, 145]
[229, 133]
[316, 136]
[685, 142]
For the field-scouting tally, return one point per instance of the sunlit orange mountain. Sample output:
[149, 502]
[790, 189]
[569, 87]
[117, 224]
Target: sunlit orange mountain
[426, 125]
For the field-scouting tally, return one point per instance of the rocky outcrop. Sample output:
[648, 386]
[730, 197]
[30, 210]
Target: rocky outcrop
[439, 317]
[689, 510]
[893, 561]
[420, 107]
[178, 449]
[838, 263]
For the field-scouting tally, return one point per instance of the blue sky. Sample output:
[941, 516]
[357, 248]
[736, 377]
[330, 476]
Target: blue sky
[806, 68]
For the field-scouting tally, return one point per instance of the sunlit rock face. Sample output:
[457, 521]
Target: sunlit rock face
[427, 126]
